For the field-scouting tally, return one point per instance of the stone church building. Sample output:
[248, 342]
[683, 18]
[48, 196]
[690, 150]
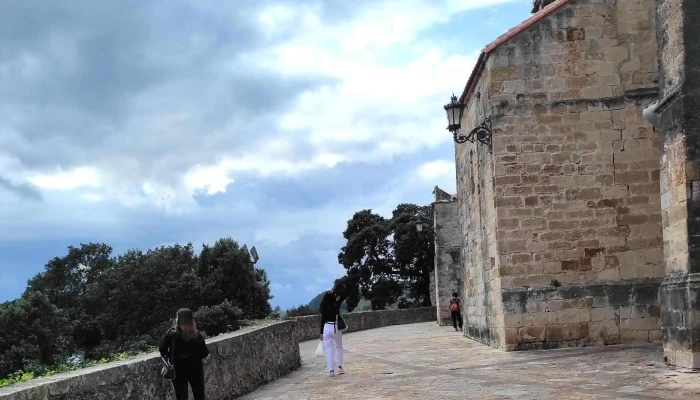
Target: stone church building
[566, 217]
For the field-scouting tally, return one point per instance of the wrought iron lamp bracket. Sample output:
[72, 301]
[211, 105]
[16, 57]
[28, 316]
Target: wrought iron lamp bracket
[481, 133]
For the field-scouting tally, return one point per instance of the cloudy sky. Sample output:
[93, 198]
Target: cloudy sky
[141, 123]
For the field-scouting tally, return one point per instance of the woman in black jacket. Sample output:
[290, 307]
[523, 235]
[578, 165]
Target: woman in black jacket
[185, 348]
[330, 334]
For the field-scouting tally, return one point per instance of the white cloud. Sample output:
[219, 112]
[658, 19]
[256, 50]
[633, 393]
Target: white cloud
[437, 169]
[212, 180]
[279, 286]
[61, 180]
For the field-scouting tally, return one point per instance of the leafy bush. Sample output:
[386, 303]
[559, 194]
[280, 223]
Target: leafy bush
[218, 319]
[128, 345]
[35, 370]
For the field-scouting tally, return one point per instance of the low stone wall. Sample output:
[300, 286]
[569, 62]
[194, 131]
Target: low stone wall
[308, 328]
[239, 363]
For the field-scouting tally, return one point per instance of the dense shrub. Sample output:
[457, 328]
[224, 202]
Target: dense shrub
[218, 319]
[31, 330]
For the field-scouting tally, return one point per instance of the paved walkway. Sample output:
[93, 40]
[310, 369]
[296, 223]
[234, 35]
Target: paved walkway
[425, 361]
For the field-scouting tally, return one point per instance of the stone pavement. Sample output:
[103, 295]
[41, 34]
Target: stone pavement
[425, 361]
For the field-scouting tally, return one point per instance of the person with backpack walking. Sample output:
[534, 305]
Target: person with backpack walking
[185, 349]
[456, 311]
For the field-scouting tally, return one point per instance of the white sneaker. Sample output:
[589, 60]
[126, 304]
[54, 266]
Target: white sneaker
[332, 374]
[341, 371]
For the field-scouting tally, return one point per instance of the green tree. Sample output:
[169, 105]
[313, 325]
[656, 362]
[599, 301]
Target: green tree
[368, 253]
[65, 280]
[31, 330]
[387, 260]
[228, 274]
[145, 290]
[414, 251]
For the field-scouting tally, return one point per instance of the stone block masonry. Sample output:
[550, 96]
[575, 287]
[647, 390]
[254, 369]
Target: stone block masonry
[567, 200]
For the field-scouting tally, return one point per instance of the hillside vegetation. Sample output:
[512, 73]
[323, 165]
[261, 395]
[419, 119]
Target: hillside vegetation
[91, 306]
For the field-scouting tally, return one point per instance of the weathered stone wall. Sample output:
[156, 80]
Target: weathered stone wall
[239, 363]
[576, 175]
[308, 328]
[448, 272]
[679, 111]
[483, 311]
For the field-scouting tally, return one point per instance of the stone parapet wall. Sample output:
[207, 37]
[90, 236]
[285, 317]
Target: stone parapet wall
[308, 328]
[239, 363]
[601, 313]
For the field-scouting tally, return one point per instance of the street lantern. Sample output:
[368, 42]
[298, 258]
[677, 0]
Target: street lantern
[252, 254]
[454, 110]
[419, 226]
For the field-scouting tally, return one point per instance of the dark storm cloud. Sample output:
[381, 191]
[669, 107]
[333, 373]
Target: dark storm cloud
[23, 190]
[82, 79]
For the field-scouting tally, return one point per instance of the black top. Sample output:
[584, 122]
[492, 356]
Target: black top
[186, 352]
[329, 315]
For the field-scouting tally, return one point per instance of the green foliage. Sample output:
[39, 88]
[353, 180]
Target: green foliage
[218, 319]
[387, 259]
[31, 329]
[92, 304]
[227, 273]
[35, 370]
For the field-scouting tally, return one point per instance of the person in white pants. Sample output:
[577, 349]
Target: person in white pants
[330, 334]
